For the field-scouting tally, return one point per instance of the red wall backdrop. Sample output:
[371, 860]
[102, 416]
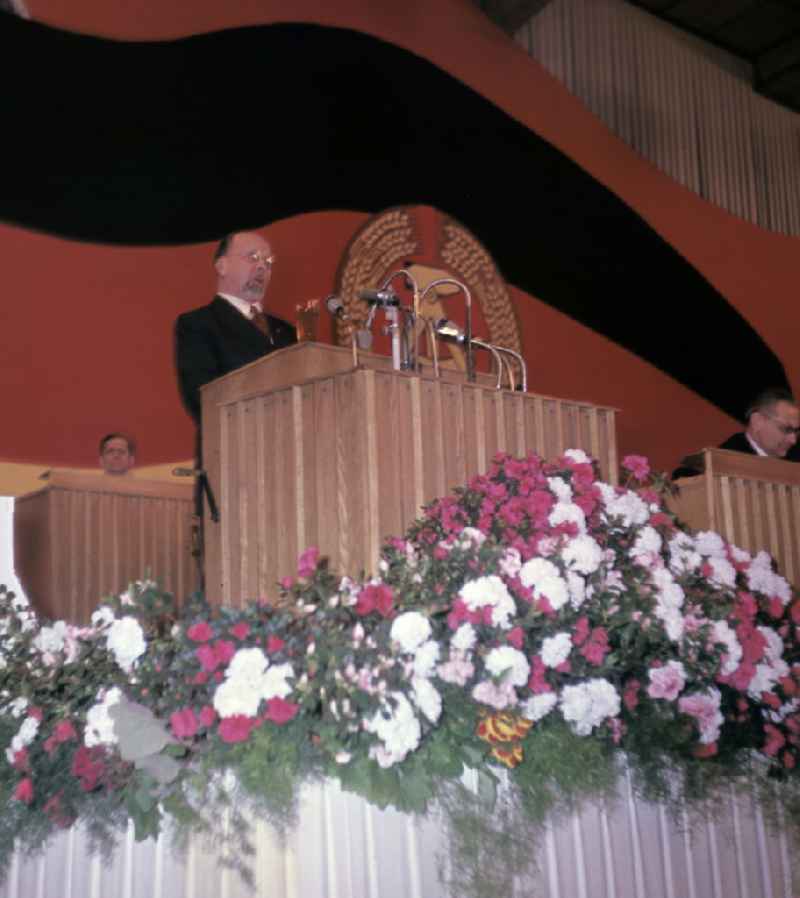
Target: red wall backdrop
[88, 329]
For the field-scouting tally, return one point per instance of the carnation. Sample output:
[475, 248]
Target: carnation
[578, 456]
[410, 630]
[425, 658]
[560, 489]
[567, 513]
[722, 633]
[510, 562]
[102, 617]
[539, 706]
[704, 708]
[99, 724]
[396, 725]
[125, 639]
[493, 592]
[556, 649]
[582, 554]
[51, 639]
[426, 698]
[498, 696]
[625, 506]
[247, 665]
[710, 544]
[587, 705]
[237, 697]
[274, 683]
[509, 663]
[464, 638]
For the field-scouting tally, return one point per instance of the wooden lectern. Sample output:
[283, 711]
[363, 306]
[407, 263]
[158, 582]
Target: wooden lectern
[85, 536]
[305, 448]
[753, 502]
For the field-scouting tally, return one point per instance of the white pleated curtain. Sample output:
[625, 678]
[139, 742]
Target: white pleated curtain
[682, 104]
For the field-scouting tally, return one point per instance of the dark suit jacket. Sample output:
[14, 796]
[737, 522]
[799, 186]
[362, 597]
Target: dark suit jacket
[736, 443]
[216, 339]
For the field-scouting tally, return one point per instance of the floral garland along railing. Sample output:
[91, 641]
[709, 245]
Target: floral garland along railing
[537, 620]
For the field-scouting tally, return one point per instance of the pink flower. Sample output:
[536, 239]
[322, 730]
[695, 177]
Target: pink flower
[63, 731]
[36, 713]
[638, 465]
[200, 632]
[241, 630]
[307, 563]
[775, 740]
[596, 649]
[274, 643]
[286, 583]
[236, 728]
[537, 682]
[375, 597]
[184, 723]
[667, 682]
[24, 790]
[207, 657]
[704, 708]
[280, 711]
[20, 761]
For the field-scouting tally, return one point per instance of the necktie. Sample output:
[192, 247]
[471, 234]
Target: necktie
[260, 320]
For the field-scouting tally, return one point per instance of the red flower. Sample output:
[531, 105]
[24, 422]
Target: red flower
[36, 713]
[789, 760]
[705, 751]
[88, 765]
[775, 740]
[64, 731]
[24, 790]
[184, 723]
[280, 711]
[241, 630]
[57, 813]
[224, 649]
[537, 682]
[375, 597]
[207, 716]
[630, 695]
[307, 563]
[236, 728]
[581, 632]
[274, 643]
[200, 632]
[775, 608]
[20, 761]
[516, 637]
[207, 657]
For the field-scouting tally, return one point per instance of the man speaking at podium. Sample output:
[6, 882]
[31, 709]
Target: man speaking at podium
[234, 329]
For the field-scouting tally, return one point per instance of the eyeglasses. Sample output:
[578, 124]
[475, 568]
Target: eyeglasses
[255, 257]
[786, 429]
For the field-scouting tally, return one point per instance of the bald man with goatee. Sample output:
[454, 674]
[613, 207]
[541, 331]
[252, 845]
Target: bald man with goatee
[235, 328]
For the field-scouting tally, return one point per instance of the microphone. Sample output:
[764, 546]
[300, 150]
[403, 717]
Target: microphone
[380, 297]
[336, 307]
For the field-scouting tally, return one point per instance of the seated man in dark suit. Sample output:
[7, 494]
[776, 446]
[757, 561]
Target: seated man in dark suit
[773, 425]
[233, 330]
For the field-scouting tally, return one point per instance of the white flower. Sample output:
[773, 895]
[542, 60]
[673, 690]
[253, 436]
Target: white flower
[684, 558]
[511, 562]
[543, 576]
[721, 632]
[567, 512]
[578, 590]
[237, 697]
[410, 630]
[493, 592]
[710, 544]
[560, 489]
[556, 649]
[17, 707]
[396, 725]
[342, 757]
[582, 554]
[51, 639]
[578, 456]
[274, 683]
[469, 537]
[99, 725]
[648, 543]
[626, 506]
[762, 578]
[586, 705]
[722, 572]
[508, 662]
[464, 638]
[125, 639]
[102, 617]
[427, 699]
[668, 592]
[425, 658]
[774, 647]
[539, 706]
[247, 666]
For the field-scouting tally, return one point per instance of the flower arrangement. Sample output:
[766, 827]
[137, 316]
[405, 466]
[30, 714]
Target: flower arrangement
[537, 621]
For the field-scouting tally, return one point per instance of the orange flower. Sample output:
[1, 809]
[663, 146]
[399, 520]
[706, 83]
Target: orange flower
[504, 727]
